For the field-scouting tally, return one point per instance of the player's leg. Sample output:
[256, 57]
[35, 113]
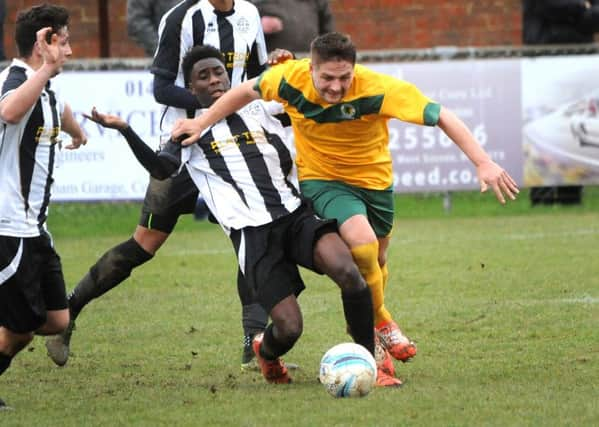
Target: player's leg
[316, 245]
[343, 203]
[114, 266]
[253, 320]
[21, 302]
[333, 258]
[270, 278]
[160, 212]
[278, 338]
[11, 343]
[320, 248]
[391, 336]
[56, 322]
[380, 207]
[348, 206]
[364, 246]
[22, 293]
[111, 269]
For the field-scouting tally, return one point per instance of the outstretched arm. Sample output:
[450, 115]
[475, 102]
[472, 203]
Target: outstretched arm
[489, 173]
[160, 165]
[233, 100]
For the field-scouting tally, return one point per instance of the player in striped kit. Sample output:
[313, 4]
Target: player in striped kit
[243, 168]
[339, 112]
[32, 289]
[235, 29]
[232, 27]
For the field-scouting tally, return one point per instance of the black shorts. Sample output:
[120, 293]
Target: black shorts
[166, 200]
[31, 282]
[269, 255]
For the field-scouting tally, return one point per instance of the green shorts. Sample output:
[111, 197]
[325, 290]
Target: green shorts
[335, 199]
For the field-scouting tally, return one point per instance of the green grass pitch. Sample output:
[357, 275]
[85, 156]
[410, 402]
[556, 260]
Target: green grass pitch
[503, 302]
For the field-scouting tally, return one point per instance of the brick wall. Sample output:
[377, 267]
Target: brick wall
[373, 24]
[399, 24]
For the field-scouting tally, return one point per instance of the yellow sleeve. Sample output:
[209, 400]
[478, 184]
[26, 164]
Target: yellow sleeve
[404, 101]
[269, 81]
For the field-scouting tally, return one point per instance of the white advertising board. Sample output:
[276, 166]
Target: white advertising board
[105, 169]
[520, 110]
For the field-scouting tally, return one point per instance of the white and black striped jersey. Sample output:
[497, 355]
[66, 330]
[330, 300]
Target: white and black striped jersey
[27, 157]
[237, 34]
[244, 169]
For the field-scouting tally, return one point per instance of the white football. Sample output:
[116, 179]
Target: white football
[348, 370]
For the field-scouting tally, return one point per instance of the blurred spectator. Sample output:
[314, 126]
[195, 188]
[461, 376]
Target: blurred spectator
[143, 17]
[293, 24]
[2, 18]
[559, 22]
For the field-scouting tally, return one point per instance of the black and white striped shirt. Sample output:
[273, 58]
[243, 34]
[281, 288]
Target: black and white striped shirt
[27, 151]
[237, 34]
[244, 169]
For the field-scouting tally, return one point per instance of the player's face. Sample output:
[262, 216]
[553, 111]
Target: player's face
[209, 80]
[332, 79]
[64, 43]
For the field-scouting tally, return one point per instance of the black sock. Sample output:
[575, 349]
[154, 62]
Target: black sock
[357, 307]
[4, 362]
[271, 347]
[253, 319]
[110, 270]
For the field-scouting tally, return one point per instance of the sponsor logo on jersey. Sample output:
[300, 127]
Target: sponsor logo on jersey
[243, 25]
[348, 111]
[47, 134]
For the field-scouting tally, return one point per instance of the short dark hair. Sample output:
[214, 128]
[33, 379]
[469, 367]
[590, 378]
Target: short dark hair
[195, 54]
[30, 21]
[333, 47]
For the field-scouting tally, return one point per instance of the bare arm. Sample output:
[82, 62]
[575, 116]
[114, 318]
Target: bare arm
[230, 102]
[70, 126]
[489, 173]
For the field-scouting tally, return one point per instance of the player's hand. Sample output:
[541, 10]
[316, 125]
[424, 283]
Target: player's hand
[187, 131]
[493, 175]
[106, 120]
[279, 56]
[271, 24]
[77, 142]
[51, 53]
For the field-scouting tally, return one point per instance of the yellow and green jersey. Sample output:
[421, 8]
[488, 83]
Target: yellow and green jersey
[348, 141]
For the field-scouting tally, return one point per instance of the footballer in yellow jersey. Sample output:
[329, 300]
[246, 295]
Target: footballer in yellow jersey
[346, 141]
[339, 112]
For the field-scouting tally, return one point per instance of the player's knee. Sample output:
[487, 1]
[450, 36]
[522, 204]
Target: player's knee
[11, 343]
[294, 331]
[22, 341]
[382, 260]
[290, 329]
[57, 322]
[348, 277]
